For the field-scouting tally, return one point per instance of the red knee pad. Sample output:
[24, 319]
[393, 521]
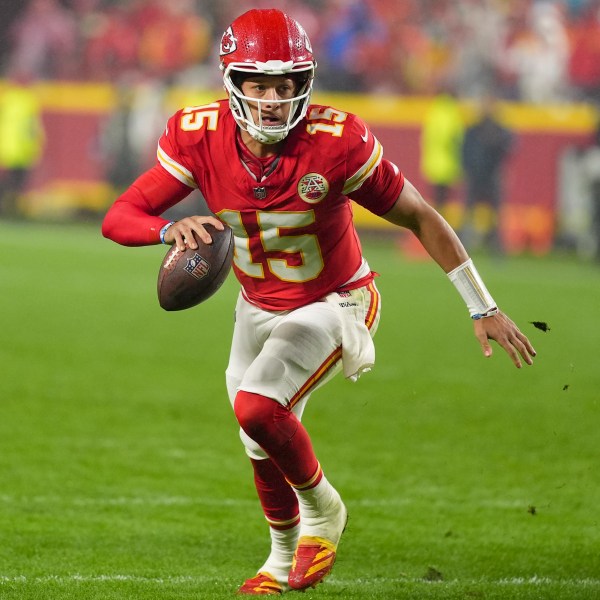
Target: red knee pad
[279, 433]
[267, 422]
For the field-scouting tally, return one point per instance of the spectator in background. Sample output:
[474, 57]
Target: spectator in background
[441, 143]
[591, 172]
[119, 154]
[174, 37]
[538, 57]
[476, 61]
[486, 146]
[352, 35]
[584, 61]
[112, 47]
[44, 41]
[21, 138]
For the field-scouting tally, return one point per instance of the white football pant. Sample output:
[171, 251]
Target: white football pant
[287, 355]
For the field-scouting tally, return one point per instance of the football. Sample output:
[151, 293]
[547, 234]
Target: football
[187, 278]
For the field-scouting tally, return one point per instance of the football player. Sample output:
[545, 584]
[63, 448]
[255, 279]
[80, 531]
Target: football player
[281, 173]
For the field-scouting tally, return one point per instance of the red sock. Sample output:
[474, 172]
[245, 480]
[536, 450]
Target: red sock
[280, 434]
[277, 498]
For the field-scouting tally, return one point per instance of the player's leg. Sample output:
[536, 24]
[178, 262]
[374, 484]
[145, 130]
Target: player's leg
[278, 501]
[322, 513]
[288, 371]
[280, 507]
[301, 352]
[277, 498]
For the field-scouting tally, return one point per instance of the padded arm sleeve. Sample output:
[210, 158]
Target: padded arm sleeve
[134, 219]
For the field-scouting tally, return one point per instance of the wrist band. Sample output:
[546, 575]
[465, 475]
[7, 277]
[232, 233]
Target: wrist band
[163, 231]
[470, 286]
[488, 313]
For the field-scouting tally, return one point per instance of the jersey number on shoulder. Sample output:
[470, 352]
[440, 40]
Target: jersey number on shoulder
[303, 249]
[194, 118]
[335, 127]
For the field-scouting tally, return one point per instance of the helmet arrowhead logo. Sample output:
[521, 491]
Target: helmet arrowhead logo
[228, 42]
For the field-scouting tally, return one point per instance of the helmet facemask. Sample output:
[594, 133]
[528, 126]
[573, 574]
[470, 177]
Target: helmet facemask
[234, 75]
[264, 42]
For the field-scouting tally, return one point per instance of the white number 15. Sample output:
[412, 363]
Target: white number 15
[304, 246]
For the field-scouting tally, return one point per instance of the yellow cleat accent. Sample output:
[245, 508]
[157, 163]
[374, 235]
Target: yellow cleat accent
[313, 561]
[263, 584]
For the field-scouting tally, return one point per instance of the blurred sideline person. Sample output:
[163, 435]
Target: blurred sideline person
[590, 163]
[441, 143]
[486, 146]
[22, 138]
[280, 173]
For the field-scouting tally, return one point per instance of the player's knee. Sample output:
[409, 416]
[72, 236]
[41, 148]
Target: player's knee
[254, 413]
[253, 450]
[264, 420]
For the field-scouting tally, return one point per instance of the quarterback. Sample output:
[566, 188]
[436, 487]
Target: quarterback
[281, 172]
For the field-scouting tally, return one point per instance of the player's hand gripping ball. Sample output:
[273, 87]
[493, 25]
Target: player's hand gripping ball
[190, 277]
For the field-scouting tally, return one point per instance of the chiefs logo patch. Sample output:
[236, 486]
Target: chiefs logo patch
[228, 42]
[313, 187]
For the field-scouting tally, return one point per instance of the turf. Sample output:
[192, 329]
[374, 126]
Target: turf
[121, 474]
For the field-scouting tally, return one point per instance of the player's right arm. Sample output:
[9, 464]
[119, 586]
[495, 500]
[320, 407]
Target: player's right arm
[135, 217]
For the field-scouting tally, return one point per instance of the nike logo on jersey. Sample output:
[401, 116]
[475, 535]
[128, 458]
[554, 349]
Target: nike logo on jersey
[365, 136]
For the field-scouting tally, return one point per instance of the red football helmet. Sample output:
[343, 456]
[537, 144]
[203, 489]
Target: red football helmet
[266, 42]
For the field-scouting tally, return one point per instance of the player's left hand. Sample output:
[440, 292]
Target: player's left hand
[501, 329]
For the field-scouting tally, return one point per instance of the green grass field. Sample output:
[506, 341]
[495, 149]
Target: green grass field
[122, 476]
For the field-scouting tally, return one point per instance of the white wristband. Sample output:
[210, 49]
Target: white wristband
[470, 286]
[163, 231]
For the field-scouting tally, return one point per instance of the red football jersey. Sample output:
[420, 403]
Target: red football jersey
[295, 240]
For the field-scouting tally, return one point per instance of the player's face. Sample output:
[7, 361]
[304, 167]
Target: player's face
[269, 90]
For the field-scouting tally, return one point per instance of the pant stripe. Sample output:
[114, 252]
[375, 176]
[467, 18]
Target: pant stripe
[374, 306]
[321, 371]
[337, 353]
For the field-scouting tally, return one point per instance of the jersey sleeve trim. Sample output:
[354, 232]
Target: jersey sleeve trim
[174, 168]
[356, 180]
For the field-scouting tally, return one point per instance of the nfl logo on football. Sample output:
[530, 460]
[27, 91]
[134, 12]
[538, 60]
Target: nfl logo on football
[197, 266]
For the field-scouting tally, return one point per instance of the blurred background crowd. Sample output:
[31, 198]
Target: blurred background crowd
[504, 123]
[532, 50]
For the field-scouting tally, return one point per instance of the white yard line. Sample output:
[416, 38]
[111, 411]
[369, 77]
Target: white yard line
[183, 579]
[151, 500]
[127, 500]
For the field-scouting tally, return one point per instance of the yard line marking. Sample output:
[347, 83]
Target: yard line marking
[105, 578]
[217, 501]
[333, 581]
[127, 500]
